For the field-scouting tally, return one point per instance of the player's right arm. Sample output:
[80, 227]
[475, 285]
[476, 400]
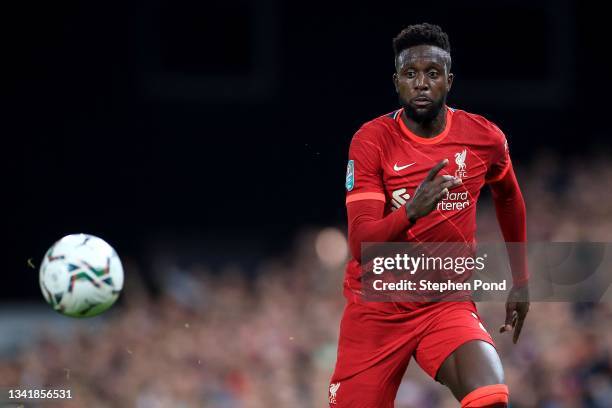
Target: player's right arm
[365, 200]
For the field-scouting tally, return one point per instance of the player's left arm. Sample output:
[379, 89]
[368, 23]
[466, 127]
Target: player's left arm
[512, 218]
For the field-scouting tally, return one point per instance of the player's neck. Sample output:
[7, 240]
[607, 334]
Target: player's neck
[427, 129]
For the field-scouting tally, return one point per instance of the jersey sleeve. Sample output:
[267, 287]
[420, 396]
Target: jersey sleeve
[500, 157]
[364, 170]
[512, 218]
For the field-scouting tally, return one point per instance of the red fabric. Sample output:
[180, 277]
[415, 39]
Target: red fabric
[495, 395]
[367, 224]
[375, 348]
[388, 164]
[512, 218]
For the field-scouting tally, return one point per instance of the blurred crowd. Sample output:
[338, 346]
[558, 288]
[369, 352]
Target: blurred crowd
[224, 338]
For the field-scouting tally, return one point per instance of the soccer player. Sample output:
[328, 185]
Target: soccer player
[401, 168]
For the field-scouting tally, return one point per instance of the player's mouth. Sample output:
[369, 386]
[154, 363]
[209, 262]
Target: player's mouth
[421, 101]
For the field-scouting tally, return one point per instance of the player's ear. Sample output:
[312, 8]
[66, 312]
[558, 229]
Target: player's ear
[395, 82]
[451, 76]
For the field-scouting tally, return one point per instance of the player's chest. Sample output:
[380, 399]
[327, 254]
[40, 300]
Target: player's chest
[406, 166]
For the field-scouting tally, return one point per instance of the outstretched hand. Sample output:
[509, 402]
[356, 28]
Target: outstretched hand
[517, 307]
[429, 193]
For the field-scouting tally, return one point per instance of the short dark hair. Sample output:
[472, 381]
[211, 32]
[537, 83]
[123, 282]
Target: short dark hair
[421, 34]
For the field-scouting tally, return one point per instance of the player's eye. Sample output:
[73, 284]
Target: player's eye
[433, 74]
[410, 74]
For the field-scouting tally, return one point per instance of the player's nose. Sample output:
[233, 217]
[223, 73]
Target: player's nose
[420, 82]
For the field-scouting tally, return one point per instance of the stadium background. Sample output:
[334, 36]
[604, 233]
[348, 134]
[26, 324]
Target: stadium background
[207, 142]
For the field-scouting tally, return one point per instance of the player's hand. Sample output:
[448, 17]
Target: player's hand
[517, 307]
[429, 193]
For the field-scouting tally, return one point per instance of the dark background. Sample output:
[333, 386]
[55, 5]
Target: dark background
[224, 126]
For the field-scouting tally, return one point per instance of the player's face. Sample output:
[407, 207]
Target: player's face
[422, 81]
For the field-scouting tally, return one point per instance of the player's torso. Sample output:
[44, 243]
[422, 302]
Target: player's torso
[406, 161]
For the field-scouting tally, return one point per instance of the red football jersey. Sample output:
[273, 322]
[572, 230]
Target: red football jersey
[387, 162]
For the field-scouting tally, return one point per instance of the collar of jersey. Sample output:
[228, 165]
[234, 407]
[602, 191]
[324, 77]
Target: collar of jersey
[425, 140]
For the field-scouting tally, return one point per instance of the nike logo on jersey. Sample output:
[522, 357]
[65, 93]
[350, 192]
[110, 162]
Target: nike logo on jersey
[400, 168]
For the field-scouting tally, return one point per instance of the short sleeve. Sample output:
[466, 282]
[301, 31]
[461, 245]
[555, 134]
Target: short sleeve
[500, 157]
[364, 171]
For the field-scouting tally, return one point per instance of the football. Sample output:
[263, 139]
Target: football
[81, 275]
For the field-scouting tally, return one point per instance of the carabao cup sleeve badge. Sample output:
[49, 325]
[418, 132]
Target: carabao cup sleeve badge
[350, 175]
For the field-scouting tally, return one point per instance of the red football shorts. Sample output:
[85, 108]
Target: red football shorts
[375, 347]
